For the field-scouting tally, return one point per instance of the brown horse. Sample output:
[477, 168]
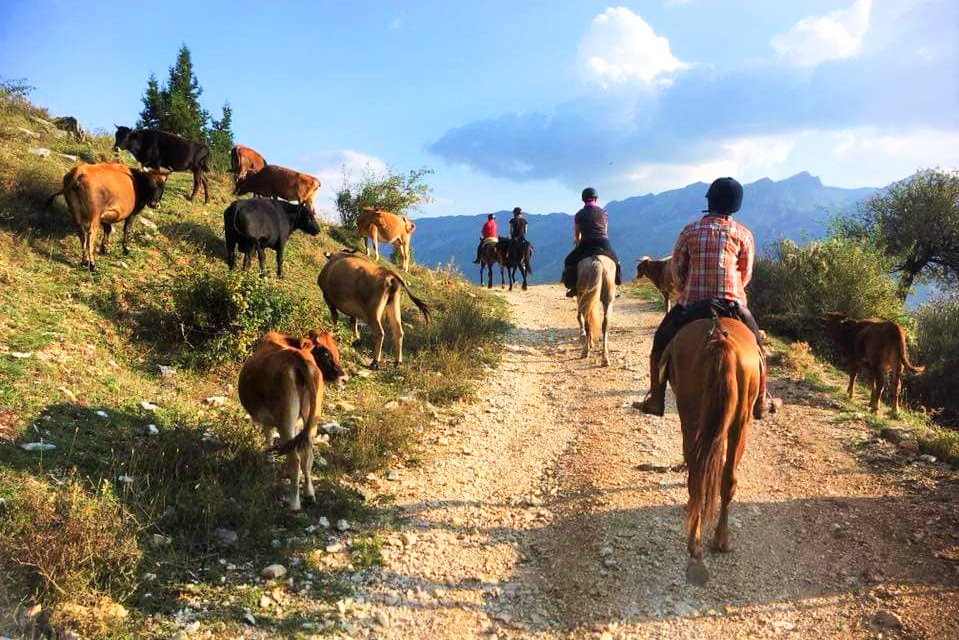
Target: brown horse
[490, 255]
[714, 369]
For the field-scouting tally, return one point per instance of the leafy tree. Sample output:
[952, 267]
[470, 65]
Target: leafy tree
[390, 191]
[916, 222]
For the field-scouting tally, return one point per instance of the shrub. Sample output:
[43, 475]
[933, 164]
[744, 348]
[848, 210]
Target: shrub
[937, 348]
[65, 541]
[221, 316]
[793, 286]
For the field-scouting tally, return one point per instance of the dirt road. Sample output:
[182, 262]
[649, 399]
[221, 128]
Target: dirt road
[550, 509]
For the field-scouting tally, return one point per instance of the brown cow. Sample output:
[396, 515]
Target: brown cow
[362, 289]
[660, 273]
[279, 182]
[104, 194]
[386, 226]
[281, 385]
[244, 160]
[874, 344]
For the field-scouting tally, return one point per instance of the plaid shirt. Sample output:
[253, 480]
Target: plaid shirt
[713, 258]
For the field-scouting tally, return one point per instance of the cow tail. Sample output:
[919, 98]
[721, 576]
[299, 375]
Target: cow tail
[54, 197]
[309, 410]
[425, 310]
[204, 158]
[903, 356]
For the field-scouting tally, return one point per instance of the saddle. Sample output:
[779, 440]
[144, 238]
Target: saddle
[488, 241]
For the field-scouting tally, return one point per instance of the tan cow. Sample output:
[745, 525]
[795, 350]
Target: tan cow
[874, 344]
[386, 226]
[362, 289]
[660, 273]
[100, 195]
[244, 160]
[280, 386]
[279, 182]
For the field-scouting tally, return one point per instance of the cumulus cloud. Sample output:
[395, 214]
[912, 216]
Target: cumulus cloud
[329, 167]
[818, 39]
[620, 47]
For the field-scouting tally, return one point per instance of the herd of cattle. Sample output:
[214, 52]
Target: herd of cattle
[282, 383]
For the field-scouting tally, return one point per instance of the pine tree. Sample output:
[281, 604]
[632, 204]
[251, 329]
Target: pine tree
[153, 106]
[220, 137]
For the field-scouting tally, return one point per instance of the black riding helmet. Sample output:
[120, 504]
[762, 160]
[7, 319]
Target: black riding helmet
[589, 193]
[517, 211]
[725, 196]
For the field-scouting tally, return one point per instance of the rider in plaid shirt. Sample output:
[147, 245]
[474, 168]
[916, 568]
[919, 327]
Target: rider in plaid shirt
[712, 264]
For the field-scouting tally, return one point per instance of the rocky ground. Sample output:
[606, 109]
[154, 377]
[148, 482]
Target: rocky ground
[551, 508]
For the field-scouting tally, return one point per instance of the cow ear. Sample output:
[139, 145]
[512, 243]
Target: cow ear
[313, 334]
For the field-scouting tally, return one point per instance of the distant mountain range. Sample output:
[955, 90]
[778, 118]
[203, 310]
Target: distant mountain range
[799, 208]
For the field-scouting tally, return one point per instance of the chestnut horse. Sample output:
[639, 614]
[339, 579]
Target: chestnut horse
[714, 369]
[490, 255]
[595, 292]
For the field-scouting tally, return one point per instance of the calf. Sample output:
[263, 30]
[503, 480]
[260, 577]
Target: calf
[244, 160]
[386, 226]
[280, 386]
[100, 195]
[261, 223]
[660, 273]
[161, 150]
[874, 344]
[362, 289]
[279, 182]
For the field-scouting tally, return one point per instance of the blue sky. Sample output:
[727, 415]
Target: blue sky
[524, 103]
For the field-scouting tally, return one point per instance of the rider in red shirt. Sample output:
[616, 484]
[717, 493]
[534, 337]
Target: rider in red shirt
[489, 231]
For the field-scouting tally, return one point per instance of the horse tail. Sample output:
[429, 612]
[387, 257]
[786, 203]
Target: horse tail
[722, 400]
[529, 258]
[588, 302]
[903, 356]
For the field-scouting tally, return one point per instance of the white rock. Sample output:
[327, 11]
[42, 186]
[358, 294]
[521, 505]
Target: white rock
[43, 152]
[273, 571]
[408, 539]
[158, 541]
[393, 475]
[215, 401]
[148, 406]
[21, 355]
[152, 430]
[149, 224]
[69, 394]
[38, 446]
[166, 371]
[336, 547]
[226, 537]
[100, 413]
[324, 522]
[249, 619]
[342, 525]
[67, 156]
[392, 404]
[928, 458]
[125, 479]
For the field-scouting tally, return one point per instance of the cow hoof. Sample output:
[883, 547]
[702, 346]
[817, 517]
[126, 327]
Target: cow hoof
[374, 365]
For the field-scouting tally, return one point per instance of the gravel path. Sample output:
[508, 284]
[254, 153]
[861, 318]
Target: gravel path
[551, 509]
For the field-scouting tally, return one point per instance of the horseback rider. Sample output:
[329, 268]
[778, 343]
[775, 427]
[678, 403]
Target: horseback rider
[712, 264]
[489, 231]
[517, 225]
[590, 237]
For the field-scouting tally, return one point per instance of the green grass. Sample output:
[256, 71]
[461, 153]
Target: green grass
[96, 342]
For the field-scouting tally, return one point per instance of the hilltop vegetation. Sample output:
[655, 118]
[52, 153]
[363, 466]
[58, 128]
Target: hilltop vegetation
[130, 373]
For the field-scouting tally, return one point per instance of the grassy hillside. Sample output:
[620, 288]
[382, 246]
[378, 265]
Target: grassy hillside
[150, 468]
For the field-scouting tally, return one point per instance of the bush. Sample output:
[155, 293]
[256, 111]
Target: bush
[63, 542]
[221, 316]
[793, 286]
[937, 342]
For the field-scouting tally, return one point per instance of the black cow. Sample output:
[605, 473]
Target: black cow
[161, 150]
[261, 223]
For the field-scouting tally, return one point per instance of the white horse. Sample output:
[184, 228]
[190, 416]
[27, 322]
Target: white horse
[595, 285]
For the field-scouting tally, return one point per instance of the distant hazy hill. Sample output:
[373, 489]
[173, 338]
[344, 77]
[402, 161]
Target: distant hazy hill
[798, 207]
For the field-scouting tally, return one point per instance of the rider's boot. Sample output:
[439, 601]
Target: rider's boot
[478, 250]
[764, 402]
[655, 401]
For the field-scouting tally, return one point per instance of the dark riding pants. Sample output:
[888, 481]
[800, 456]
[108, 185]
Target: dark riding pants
[680, 315]
[585, 249]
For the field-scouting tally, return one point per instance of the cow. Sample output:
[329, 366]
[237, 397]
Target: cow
[280, 386]
[660, 273]
[279, 182]
[71, 126]
[361, 289]
[100, 195]
[244, 160]
[258, 224]
[874, 344]
[161, 150]
[379, 225]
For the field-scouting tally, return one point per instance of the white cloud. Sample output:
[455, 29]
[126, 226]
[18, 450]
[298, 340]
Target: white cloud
[620, 47]
[328, 166]
[817, 39]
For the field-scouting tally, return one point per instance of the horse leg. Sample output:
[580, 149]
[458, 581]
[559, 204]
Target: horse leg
[607, 312]
[522, 270]
[735, 443]
[482, 266]
[502, 278]
[489, 276]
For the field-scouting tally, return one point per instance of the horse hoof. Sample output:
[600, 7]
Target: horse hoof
[696, 573]
[721, 548]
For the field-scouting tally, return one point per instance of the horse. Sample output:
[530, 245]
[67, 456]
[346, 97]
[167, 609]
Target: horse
[518, 254]
[595, 285]
[490, 255]
[714, 368]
